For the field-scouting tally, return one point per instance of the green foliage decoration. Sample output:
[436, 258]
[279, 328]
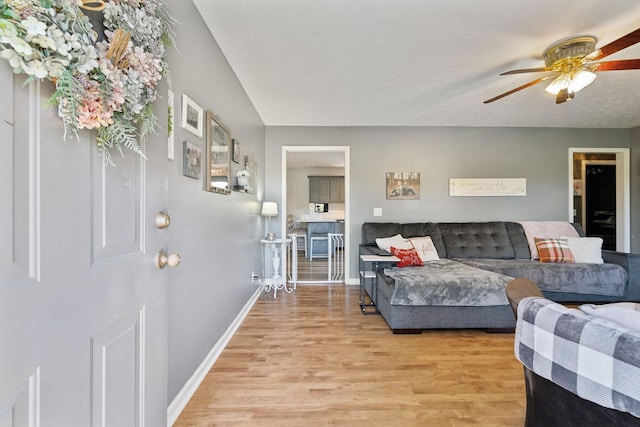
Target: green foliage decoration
[106, 85]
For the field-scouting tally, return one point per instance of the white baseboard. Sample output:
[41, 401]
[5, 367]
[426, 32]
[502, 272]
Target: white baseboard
[182, 398]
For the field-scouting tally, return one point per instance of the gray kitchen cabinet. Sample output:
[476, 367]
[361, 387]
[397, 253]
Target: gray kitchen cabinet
[336, 189]
[326, 189]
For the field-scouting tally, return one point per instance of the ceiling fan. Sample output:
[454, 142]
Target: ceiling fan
[572, 63]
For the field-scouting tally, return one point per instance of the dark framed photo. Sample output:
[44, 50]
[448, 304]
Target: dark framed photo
[235, 150]
[191, 160]
[403, 185]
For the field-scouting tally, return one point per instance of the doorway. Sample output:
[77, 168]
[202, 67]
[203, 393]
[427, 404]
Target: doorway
[299, 163]
[599, 182]
[599, 201]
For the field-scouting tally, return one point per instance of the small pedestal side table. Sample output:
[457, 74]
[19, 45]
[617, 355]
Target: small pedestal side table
[278, 249]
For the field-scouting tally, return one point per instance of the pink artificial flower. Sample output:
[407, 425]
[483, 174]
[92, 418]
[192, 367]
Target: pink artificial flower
[92, 113]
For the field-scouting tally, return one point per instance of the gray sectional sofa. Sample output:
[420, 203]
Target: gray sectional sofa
[443, 294]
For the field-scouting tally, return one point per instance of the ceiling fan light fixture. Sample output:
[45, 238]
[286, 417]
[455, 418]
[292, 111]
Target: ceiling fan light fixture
[582, 79]
[573, 81]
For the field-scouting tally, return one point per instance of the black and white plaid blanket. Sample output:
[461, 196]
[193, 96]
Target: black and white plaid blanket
[590, 357]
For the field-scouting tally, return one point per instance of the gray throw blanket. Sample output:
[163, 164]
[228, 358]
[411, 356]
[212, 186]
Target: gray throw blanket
[447, 283]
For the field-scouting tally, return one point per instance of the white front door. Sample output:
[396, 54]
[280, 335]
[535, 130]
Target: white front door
[83, 311]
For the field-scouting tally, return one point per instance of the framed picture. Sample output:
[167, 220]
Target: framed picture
[191, 160]
[170, 123]
[578, 187]
[235, 152]
[192, 115]
[251, 165]
[218, 164]
[403, 185]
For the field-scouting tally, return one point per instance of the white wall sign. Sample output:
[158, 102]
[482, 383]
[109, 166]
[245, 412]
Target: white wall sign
[487, 187]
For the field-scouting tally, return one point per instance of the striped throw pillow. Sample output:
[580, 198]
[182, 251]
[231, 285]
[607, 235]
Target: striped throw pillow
[554, 250]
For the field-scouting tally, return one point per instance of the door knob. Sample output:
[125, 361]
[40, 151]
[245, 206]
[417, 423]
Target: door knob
[162, 220]
[161, 259]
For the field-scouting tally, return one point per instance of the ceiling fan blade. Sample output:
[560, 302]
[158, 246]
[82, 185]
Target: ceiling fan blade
[624, 64]
[527, 70]
[524, 86]
[616, 45]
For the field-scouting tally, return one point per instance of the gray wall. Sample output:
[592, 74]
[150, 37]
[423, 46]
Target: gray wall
[216, 234]
[635, 183]
[540, 155]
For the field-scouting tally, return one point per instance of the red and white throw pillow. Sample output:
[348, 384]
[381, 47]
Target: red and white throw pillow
[554, 250]
[425, 247]
[408, 257]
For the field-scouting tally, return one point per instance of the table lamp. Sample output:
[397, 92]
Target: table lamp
[269, 209]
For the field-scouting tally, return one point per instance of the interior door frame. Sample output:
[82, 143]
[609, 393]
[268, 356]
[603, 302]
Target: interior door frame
[347, 196]
[623, 192]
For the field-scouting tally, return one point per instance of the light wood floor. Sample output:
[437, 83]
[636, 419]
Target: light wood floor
[316, 270]
[311, 358]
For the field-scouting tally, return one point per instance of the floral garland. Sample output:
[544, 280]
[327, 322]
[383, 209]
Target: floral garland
[106, 85]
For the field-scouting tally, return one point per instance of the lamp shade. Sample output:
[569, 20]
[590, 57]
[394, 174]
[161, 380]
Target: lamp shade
[572, 81]
[269, 209]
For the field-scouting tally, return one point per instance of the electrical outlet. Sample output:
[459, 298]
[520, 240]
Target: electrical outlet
[377, 211]
[254, 277]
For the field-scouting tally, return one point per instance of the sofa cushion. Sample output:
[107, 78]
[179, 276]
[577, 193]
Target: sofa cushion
[373, 230]
[596, 279]
[554, 250]
[518, 240]
[477, 240]
[447, 283]
[586, 249]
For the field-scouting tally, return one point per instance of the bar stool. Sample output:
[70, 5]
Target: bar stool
[316, 238]
[301, 233]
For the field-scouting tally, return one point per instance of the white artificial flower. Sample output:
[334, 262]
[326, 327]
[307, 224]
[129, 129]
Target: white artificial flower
[56, 68]
[59, 39]
[44, 42]
[14, 59]
[34, 27]
[7, 31]
[74, 42]
[20, 46]
[36, 68]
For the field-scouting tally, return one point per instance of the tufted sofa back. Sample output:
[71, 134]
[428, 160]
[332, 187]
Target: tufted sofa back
[495, 239]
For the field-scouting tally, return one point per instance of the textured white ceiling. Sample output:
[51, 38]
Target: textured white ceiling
[419, 62]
